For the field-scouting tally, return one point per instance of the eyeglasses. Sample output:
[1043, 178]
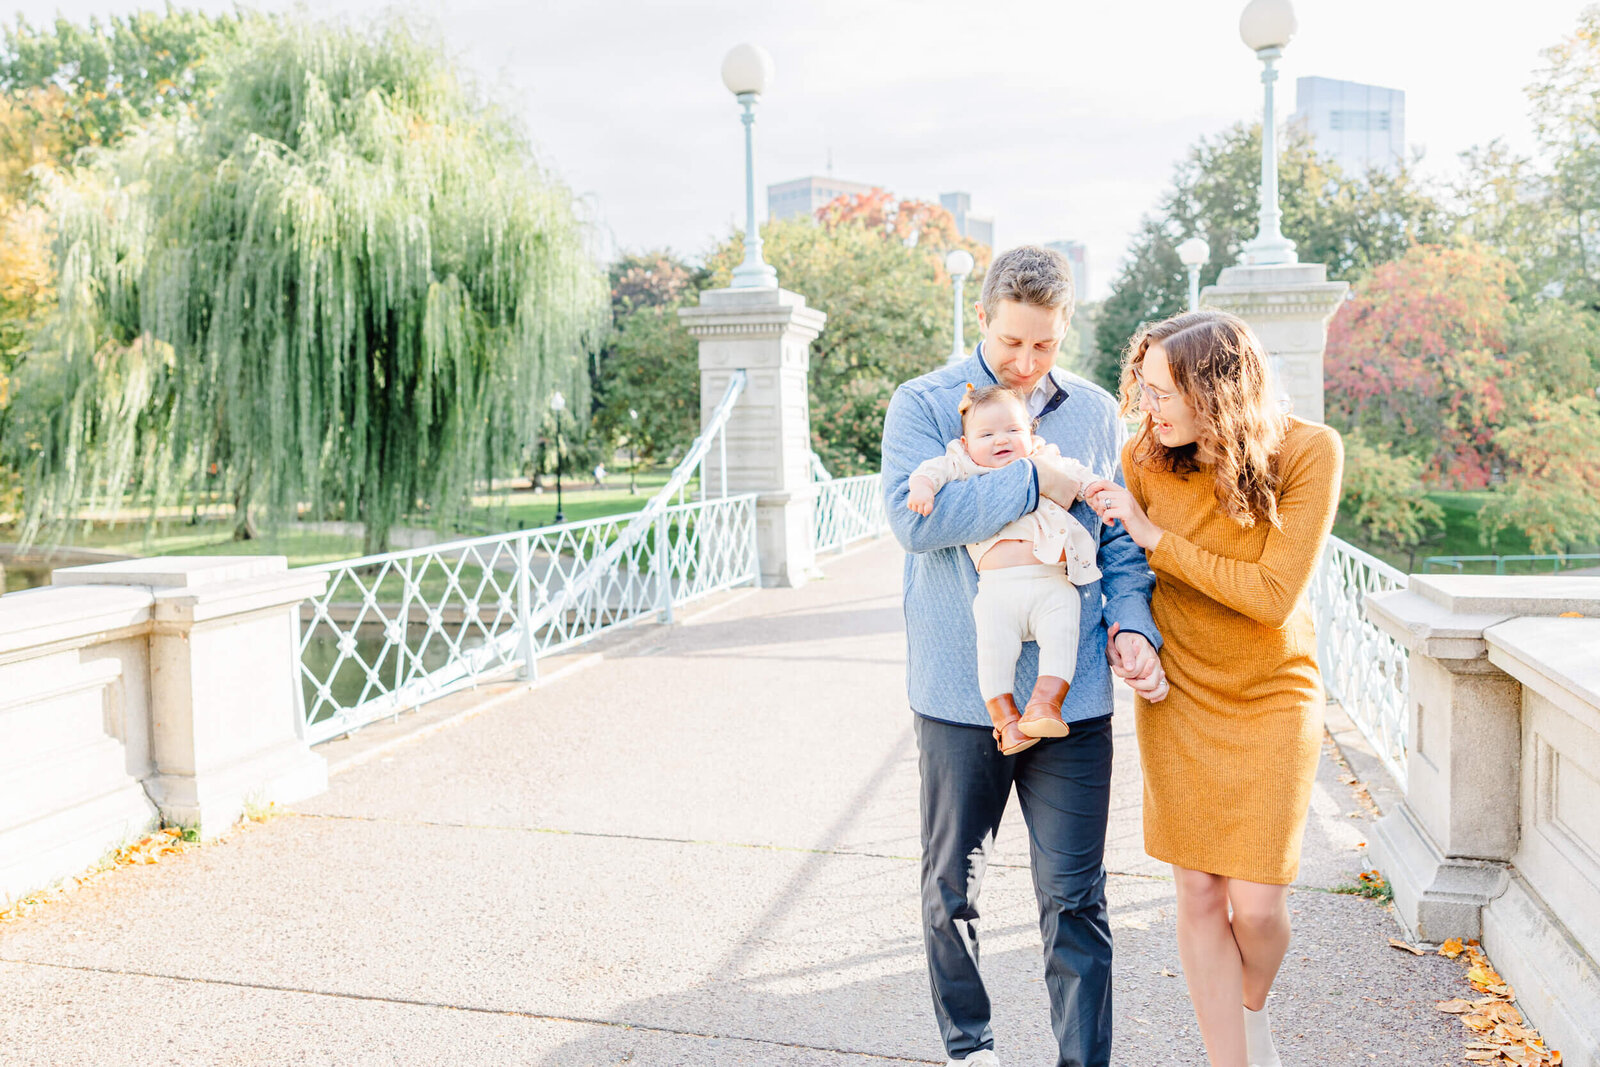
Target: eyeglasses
[1154, 397]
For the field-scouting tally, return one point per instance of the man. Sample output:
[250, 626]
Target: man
[1063, 784]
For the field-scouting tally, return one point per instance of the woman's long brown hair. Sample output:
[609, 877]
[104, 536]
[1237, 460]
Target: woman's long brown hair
[1220, 368]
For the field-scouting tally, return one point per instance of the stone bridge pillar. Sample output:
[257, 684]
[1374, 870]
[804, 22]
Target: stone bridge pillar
[1288, 305]
[1498, 836]
[767, 333]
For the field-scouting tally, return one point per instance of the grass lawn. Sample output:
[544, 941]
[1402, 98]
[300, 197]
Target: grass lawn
[516, 508]
[522, 509]
[1459, 538]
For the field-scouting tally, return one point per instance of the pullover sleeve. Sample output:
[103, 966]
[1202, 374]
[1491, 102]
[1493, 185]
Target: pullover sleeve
[969, 510]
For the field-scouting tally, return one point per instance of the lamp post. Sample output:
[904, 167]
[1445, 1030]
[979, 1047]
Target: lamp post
[633, 449]
[959, 263]
[1193, 254]
[558, 404]
[1266, 27]
[747, 72]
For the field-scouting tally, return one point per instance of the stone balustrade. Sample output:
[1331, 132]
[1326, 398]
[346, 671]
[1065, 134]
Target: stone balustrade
[1498, 837]
[144, 691]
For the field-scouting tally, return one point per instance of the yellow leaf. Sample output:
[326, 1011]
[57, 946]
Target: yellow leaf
[1451, 948]
[1483, 976]
[1572, 615]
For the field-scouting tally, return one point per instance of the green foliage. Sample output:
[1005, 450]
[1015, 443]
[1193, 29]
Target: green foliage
[1418, 357]
[650, 364]
[1370, 884]
[889, 309]
[348, 281]
[1566, 111]
[1552, 491]
[1351, 224]
[1382, 495]
[122, 72]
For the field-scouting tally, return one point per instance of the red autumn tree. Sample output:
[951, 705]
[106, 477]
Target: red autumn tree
[913, 222]
[1418, 358]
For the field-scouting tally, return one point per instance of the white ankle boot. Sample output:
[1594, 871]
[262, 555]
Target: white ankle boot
[1259, 1050]
[984, 1056]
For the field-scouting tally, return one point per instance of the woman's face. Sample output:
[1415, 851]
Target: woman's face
[1171, 415]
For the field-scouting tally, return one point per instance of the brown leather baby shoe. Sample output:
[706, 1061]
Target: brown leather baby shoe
[1003, 713]
[1043, 715]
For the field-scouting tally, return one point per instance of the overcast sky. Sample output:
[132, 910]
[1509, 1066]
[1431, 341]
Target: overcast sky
[1062, 118]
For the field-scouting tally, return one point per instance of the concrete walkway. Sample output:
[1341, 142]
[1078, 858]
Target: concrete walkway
[701, 850]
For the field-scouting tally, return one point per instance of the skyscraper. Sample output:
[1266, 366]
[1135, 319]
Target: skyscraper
[1077, 255]
[803, 196]
[977, 228]
[1363, 127]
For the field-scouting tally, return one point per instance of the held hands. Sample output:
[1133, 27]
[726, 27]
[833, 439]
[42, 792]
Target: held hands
[1112, 502]
[1135, 662]
[921, 498]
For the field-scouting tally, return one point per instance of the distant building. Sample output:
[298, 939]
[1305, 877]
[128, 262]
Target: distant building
[1078, 256]
[973, 227]
[1361, 126]
[804, 196]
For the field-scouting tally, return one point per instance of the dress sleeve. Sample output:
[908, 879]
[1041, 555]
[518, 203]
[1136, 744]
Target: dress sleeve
[1267, 591]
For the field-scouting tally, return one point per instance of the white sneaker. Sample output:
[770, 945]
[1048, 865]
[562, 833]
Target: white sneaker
[1259, 1050]
[984, 1057]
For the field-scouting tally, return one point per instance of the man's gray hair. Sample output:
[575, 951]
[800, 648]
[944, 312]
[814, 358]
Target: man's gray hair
[1029, 275]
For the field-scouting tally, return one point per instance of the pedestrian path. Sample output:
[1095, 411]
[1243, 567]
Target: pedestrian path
[700, 850]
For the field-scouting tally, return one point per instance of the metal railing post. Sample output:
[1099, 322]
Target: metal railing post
[722, 462]
[664, 567]
[529, 671]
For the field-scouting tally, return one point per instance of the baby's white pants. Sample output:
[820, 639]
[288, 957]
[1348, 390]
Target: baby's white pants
[1028, 603]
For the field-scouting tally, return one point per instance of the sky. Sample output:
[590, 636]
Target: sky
[1063, 118]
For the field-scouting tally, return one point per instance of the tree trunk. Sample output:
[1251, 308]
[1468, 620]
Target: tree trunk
[244, 528]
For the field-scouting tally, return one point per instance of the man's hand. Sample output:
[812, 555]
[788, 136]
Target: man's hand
[1134, 660]
[1055, 479]
[921, 498]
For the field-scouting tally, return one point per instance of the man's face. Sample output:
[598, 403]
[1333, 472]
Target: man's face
[1021, 342]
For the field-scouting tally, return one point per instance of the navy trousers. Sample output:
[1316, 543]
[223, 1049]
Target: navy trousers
[1064, 789]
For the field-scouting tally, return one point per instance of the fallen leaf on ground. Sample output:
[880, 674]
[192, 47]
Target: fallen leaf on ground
[1413, 949]
[1168, 974]
[1451, 948]
[1454, 1007]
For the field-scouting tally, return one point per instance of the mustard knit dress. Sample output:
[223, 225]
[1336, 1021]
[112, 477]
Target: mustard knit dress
[1230, 755]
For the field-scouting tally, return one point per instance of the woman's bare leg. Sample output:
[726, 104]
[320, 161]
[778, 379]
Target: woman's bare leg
[1261, 930]
[1212, 964]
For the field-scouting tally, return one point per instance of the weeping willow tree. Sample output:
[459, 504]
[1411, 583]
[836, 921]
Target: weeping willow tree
[345, 283]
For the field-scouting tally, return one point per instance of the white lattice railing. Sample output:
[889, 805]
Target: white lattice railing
[847, 510]
[1363, 668]
[396, 630]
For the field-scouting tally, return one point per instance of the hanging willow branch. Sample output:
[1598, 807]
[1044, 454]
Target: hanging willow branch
[347, 282]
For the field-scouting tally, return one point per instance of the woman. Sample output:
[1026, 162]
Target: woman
[1232, 501]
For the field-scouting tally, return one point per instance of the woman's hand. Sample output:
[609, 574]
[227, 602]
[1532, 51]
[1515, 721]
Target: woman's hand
[1112, 502]
[1134, 660]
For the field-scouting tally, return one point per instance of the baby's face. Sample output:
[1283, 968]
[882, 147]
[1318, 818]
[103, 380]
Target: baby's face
[998, 433]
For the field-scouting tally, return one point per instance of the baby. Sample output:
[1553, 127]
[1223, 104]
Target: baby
[1023, 592]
